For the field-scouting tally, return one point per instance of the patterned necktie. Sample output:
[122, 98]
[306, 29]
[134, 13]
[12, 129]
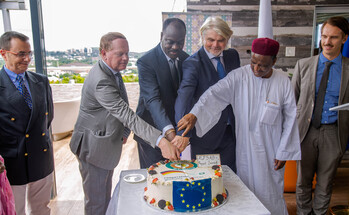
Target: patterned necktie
[24, 91]
[122, 87]
[123, 93]
[174, 73]
[220, 68]
[321, 96]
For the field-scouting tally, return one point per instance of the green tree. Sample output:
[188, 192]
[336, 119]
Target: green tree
[78, 79]
[65, 75]
[65, 80]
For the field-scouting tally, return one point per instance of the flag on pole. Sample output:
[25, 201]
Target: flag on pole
[265, 22]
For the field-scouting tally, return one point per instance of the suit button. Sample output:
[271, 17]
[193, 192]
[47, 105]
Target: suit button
[46, 113]
[45, 150]
[43, 134]
[308, 119]
[25, 154]
[13, 119]
[27, 135]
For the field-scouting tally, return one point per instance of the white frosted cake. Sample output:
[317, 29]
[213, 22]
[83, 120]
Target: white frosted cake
[183, 186]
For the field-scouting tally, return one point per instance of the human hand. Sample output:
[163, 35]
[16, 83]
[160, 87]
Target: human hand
[187, 122]
[168, 150]
[278, 164]
[124, 140]
[170, 134]
[2, 167]
[180, 142]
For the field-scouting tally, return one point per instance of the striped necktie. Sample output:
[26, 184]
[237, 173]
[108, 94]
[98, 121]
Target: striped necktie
[122, 87]
[123, 93]
[24, 91]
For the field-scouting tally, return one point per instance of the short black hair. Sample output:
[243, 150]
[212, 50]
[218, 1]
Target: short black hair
[168, 21]
[5, 39]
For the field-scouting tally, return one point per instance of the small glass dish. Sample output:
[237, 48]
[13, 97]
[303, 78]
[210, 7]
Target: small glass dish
[134, 178]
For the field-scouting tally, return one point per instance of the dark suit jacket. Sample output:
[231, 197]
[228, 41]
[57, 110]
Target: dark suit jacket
[157, 91]
[24, 135]
[98, 132]
[303, 81]
[198, 75]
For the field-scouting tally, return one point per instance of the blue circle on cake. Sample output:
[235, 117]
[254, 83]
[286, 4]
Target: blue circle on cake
[181, 165]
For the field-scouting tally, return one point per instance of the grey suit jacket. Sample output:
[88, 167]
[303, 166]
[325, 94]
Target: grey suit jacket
[303, 81]
[98, 132]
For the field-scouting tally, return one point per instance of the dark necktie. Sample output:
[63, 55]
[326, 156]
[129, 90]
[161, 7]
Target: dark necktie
[124, 97]
[24, 91]
[174, 73]
[321, 96]
[122, 87]
[220, 68]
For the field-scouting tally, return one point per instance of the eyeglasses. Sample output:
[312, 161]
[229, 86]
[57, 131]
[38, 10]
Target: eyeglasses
[21, 54]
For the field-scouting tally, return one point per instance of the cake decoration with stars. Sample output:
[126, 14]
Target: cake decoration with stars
[183, 186]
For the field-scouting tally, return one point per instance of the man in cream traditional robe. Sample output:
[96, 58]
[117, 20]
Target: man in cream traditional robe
[265, 108]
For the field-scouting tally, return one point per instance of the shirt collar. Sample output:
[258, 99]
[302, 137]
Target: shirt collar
[13, 75]
[114, 72]
[167, 57]
[337, 60]
[211, 56]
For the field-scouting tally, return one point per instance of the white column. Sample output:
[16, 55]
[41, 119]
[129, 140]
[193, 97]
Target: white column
[7, 21]
[265, 22]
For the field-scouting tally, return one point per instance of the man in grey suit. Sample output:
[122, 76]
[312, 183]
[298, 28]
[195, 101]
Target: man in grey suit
[104, 123]
[321, 82]
[159, 80]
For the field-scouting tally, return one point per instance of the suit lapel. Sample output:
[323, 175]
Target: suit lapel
[107, 71]
[228, 64]
[11, 93]
[344, 79]
[180, 70]
[313, 65]
[36, 87]
[164, 67]
[208, 66]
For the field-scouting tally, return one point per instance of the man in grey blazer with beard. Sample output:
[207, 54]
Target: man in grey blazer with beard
[104, 123]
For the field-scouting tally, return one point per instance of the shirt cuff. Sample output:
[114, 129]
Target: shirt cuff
[158, 140]
[166, 128]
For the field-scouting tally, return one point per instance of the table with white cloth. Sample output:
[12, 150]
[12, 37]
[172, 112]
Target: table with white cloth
[128, 199]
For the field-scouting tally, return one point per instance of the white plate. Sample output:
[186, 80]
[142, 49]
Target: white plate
[134, 178]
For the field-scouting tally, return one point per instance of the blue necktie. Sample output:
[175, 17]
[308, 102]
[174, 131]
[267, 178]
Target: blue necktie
[220, 68]
[221, 73]
[24, 91]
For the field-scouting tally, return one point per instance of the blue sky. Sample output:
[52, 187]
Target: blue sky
[81, 23]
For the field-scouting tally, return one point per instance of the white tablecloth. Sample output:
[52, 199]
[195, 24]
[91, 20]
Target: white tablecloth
[128, 198]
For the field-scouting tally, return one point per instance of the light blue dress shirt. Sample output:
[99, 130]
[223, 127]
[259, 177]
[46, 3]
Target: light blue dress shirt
[333, 86]
[13, 77]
